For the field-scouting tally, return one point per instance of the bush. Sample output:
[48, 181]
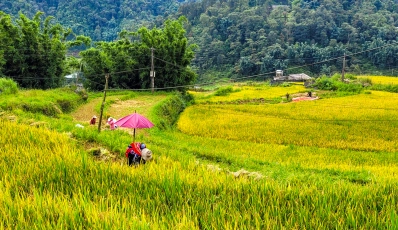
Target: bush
[349, 87]
[325, 83]
[8, 86]
[224, 91]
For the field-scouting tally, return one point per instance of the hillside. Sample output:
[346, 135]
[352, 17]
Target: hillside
[247, 37]
[101, 20]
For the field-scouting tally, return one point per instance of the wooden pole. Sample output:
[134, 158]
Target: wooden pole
[103, 101]
[342, 72]
[152, 74]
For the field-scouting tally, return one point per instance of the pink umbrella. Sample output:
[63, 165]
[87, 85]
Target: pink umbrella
[134, 121]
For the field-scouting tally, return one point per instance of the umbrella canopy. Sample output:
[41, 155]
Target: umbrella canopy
[134, 121]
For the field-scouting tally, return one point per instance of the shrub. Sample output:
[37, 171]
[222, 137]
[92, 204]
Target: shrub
[8, 86]
[325, 83]
[224, 91]
[349, 87]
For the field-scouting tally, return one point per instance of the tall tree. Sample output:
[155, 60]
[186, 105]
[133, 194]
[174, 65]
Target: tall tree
[128, 59]
[34, 50]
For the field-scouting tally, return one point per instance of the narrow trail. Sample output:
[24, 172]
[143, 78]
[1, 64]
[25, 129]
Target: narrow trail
[140, 104]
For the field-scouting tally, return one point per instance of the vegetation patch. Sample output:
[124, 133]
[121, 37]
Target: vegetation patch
[8, 86]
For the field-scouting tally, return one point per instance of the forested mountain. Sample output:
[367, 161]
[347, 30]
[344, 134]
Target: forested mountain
[247, 37]
[99, 19]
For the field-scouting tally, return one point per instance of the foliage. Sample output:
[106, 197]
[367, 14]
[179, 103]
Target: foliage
[47, 102]
[8, 86]
[99, 20]
[33, 50]
[224, 91]
[382, 87]
[128, 60]
[167, 112]
[258, 38]
[326, 83]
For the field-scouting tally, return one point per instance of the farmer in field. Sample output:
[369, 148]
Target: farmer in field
[93, 120]
[111, 122]
[138, 153]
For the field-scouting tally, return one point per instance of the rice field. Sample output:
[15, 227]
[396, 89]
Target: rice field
[325, 164]
[249, 92]
[384, 80]
[367, 122]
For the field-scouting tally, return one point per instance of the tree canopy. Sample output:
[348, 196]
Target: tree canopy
[128, 60]
[33, 51]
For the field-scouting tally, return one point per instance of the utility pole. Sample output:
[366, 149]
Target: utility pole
[152, 73]
[103, 101]
[342, 72]
[80, 72]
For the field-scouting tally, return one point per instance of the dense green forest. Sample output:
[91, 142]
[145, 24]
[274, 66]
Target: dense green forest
[246, 37]
[33, 53]
[101, 20]
[249, 37]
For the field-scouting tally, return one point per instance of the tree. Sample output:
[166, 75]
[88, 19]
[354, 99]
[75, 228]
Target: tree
[128, 59]
[33, 50]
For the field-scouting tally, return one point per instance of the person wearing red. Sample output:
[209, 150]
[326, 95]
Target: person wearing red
[93, 120]
[133, 153]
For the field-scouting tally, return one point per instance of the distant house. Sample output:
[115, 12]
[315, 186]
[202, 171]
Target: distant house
[74, 79]
[71, 78]
[291, 77]
[298, 77]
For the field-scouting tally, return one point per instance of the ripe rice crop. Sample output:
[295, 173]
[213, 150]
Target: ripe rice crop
[48, 183]
[362, 122]
[384, 80]
[252, 92]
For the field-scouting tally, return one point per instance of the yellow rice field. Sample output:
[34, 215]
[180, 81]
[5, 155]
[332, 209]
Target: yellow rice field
[263, 91]
[325, 164]
[384, 80]
[366, 122]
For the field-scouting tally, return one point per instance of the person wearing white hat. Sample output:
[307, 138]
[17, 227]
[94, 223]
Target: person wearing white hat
[111, 122]
[93, 120]
[138, 153]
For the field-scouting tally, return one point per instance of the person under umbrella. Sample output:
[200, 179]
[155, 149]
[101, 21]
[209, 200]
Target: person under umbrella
[138, 153]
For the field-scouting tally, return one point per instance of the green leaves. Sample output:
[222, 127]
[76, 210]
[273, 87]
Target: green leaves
[128, 60]
[33, 51]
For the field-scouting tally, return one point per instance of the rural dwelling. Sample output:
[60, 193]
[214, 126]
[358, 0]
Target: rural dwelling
[298, 77]
[71, 78]
[291, 77]
[74, 79]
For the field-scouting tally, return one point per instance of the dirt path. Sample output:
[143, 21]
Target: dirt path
[140, 104]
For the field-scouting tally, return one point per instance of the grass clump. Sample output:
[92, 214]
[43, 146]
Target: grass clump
[224, 91]
[8, 86]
